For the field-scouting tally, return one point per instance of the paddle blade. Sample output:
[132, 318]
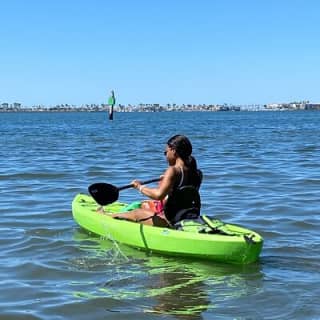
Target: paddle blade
[103, 193]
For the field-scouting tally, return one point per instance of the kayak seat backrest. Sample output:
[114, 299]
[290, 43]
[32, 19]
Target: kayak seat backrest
[185, 204]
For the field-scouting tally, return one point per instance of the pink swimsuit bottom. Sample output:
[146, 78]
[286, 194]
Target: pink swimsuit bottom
[156, 206]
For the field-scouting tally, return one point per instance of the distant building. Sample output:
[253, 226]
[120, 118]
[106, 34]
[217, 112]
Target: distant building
[17, 105]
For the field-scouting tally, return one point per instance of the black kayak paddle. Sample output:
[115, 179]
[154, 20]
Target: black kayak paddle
[105, 193]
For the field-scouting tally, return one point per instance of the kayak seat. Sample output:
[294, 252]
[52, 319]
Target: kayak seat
[185, 204]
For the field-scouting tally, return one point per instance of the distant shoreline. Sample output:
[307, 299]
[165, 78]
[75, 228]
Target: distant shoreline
[6, 108]
[184, 111]
[142, 111]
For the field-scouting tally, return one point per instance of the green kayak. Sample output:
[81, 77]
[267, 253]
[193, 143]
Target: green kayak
[209, 239]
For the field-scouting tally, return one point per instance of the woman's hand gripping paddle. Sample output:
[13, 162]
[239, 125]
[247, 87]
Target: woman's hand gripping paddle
[104, 193]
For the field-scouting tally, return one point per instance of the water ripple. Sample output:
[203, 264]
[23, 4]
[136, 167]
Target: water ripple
[260, 170]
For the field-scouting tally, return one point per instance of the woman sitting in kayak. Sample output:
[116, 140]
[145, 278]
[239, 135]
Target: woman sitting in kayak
[182, 171]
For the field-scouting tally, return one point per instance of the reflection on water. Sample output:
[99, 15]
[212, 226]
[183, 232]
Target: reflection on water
[172, 286]
[178, 291]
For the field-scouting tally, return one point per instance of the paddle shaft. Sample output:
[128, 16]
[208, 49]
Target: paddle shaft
[104, 193]
[143, 182]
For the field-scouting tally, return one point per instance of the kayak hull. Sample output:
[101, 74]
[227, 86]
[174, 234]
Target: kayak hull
[235, 245]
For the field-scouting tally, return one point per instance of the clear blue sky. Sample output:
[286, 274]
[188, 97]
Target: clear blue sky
[165, 51]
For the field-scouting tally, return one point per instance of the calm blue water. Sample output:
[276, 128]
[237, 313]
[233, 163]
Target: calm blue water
[261, 170]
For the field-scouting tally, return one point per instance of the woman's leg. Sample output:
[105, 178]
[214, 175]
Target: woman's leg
[138, 215]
